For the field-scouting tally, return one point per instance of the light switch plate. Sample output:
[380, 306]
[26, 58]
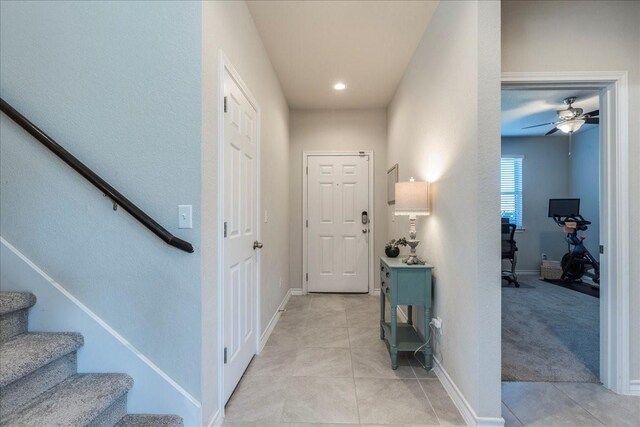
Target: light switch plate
[185, 219]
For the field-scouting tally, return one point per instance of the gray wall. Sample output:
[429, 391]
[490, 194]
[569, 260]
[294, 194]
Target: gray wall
[545, 170]
[118, 84]
[584, 182]
[337, 130]
[432, 137]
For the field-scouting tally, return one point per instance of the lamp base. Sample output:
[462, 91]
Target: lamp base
[413, 259]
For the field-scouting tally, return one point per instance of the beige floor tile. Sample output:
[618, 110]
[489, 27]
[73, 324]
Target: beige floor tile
[257, 399]
[544, 405]
[321, 400]
[297, 303]
[326, 303]
[323, 362]
[365, 338]
[326, 319]
[510, 420]
[610, 408]
[385, 401]
[287, 337]
[418, 370]
[445, 409]
[363, 318]
[292, 319]
[361, 302]
[324, 338]
[273, 361]
[376, 363]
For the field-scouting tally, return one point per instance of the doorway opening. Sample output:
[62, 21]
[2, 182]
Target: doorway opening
[338, 222]
[550, 197]
[612, 326]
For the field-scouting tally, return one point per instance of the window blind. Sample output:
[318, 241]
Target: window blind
[511, 189]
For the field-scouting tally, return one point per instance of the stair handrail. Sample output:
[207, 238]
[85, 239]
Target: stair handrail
[117, 197]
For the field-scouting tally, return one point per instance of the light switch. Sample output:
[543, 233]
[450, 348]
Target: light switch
[185, 216]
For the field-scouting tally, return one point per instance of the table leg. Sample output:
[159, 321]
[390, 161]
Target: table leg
[410, 314]
[393, 343]
[427, 333]
[381, 313]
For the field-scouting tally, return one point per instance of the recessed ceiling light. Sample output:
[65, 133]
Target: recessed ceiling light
[339, 86]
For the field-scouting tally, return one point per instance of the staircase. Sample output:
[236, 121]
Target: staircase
[40, 385]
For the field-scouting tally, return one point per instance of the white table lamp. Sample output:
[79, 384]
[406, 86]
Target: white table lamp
[412, 199]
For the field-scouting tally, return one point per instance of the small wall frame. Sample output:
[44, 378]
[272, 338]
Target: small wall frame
[392, 178]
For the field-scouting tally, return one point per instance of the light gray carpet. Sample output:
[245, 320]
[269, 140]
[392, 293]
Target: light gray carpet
[549, 333]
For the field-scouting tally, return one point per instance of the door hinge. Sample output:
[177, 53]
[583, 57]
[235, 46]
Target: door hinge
[307, 223]
[225, 355]
[307, 172]
[225, 229]
[602, 249]
[307, 276]
[225, 104]
[361, 153]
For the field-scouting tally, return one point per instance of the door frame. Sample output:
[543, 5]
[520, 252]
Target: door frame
[225, 67]
[371, 208]
[614, 208]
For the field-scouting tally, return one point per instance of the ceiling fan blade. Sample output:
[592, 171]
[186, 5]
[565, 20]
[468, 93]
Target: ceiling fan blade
[552, 131]
[535, 126]
[592, 121]
[593, 113]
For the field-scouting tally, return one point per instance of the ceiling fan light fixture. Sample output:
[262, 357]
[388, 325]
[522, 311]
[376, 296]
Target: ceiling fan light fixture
[571, 126]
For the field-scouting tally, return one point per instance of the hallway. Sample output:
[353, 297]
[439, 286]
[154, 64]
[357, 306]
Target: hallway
[325, 363]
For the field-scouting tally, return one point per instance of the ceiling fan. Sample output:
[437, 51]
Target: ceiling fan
[571, 119]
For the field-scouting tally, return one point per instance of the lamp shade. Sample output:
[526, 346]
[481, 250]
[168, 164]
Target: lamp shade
[412, 198]
[571, 125]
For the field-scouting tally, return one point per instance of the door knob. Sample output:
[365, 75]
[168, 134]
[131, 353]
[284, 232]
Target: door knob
[257, 245]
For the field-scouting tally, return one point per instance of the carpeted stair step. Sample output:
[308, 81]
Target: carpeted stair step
[148, 420]
[14, 313]
[94, 400]
[32, 363]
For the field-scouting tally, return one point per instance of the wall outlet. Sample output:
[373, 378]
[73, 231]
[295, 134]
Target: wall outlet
[437, 324]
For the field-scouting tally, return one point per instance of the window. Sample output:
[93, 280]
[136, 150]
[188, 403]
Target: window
[511, 189]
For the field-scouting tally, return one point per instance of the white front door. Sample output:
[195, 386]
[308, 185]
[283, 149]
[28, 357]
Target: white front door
[241, 192]
[338, 240]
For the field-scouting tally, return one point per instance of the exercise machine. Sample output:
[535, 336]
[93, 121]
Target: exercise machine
[578, 261]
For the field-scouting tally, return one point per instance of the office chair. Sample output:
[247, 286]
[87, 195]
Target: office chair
[509, 250]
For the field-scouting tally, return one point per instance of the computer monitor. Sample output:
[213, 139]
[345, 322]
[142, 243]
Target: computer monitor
[564, 207]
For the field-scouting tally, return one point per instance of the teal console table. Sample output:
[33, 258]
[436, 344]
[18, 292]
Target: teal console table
[408, 285]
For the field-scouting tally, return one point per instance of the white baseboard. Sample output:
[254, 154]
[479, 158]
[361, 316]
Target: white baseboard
[295, 291]
[274, 319]
[634, 388]
[528, 272]
[469, 415]
[105, 350]
[375, 292]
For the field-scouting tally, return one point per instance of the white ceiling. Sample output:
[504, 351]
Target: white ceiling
[521, 108]
[365, 44]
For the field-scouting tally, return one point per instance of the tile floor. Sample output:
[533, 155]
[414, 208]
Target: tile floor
[567, 404]
[325, 364]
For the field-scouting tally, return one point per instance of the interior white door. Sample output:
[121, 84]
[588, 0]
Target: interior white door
[241, 192]
[337, 238]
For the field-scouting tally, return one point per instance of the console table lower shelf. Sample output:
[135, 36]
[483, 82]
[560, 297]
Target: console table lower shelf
[407, 339]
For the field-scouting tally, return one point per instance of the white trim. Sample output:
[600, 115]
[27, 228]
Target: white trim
[614, 215]
[216, 420]
[528, 272]
[470, 417]
[296, 291]
[634, 387]
[274, 320]
[225, 66]
[305, 158]
[137, 353]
